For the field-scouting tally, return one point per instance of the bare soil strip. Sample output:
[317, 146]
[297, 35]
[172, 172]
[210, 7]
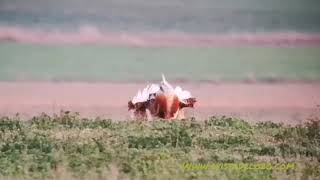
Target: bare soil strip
[278, 102]
[93, 35]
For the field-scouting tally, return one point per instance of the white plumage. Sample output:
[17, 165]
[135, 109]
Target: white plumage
[154, 88]
[145, 94]
[149, 92]
[182, 94]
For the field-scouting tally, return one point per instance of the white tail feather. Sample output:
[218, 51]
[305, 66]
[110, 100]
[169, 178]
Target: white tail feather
[166, 86]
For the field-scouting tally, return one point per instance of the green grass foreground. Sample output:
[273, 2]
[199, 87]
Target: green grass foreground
[66, 146]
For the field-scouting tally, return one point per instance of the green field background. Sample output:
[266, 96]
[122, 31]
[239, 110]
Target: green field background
[125, 64]
[200, 16]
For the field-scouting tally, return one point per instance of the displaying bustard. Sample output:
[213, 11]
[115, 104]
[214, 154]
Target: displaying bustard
[161, 101]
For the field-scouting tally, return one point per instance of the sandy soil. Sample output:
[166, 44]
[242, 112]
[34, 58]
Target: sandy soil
[92, 35]
[279, 102]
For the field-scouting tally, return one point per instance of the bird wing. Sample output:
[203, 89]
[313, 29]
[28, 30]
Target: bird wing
[136, 98]
[183, 95]
[144, 95]
[154, 88]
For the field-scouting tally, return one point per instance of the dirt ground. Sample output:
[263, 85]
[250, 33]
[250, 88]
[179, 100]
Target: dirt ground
[93, 35]
[278, 102]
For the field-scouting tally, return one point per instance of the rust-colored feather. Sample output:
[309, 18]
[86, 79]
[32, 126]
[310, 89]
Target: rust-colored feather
[167, 105]
[161, 106]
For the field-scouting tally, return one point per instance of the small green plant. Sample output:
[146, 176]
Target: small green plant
[44, 146]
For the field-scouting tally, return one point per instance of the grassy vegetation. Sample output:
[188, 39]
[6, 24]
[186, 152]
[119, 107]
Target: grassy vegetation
[113, 63]
[204, 16]
[67, 146]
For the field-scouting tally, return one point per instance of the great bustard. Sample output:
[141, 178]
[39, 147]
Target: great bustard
[161, 101]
